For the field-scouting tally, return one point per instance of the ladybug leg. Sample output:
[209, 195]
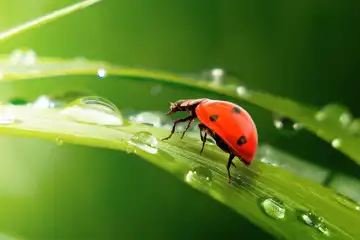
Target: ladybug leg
[187, 127]
[174, 125]
[203, 138]
[231, 157]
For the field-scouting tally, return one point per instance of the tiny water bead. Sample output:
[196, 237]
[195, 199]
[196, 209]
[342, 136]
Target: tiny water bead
[59, 141]
[101, 72]
[286, 124]
[336, 143]
[335, 112]
[94, 110]
[200, 176]
[274, 207]
[311, 219]
[144, 141]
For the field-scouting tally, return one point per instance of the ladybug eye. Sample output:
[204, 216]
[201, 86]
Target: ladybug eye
[242, 140]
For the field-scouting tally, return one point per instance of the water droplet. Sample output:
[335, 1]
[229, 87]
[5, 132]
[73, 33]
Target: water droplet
[315, 221]
[242, 91]
[6, 117]
[156, 90]
[144, 141]
[200, 176]
[152, 118]
[274, 207]
[43, 102]
[95, 110]
[335, 112]
[16, 56]
[30, 57]
[23, 56]
[354, 127]
[101, 72]
[336, 143]
[59, 141]
[286, 124]
[217, 75]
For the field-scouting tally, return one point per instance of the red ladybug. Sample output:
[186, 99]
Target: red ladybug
[228, 124]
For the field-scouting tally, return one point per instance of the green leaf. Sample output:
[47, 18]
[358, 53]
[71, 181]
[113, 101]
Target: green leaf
[329, 129]
[207, 172]
[46, 19]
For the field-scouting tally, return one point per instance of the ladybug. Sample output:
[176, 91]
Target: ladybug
[228, 124]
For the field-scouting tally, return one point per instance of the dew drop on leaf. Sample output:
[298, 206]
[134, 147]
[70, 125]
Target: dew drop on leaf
[59, 141]
[101, 72]
[93, 110]
[43, 102]
[144, 141]
[199, 176]
[286, 124]
[314, 221]
[151, 118]
[335, 112]
[30, 57]
[156, 90]
[16, 56]
[336, 143]
[354, 127]
[274, 207]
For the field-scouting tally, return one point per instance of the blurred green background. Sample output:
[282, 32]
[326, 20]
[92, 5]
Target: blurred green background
[305, 50]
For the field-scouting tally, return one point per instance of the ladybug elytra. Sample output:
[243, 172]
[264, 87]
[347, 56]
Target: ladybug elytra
[228, 124]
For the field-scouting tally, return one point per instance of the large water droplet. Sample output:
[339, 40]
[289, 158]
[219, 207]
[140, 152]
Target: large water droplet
[315, 221]
[200, 176]
[274, 208]
[144, 141]
[335, 112]
[286, 124]
[95, 110]
[155, 119]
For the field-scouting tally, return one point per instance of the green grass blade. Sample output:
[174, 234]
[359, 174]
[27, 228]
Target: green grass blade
[46, 19]
[305, 115]
[178, 157]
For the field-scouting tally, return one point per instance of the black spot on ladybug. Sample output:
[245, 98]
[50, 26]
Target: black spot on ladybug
[242, 140]
[214, 117]
[236, 110]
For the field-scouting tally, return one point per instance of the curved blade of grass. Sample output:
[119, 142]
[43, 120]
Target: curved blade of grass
[178, 157]
[46, 18]
[305, 115]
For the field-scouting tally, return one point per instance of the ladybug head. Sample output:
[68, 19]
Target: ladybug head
[175, 107]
